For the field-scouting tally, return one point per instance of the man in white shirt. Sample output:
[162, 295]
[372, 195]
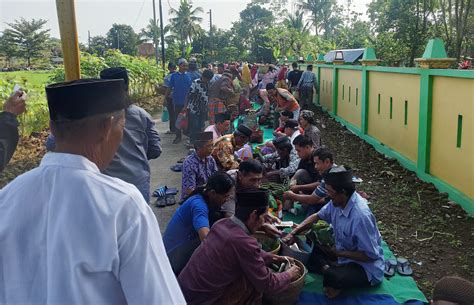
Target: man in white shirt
[71, 235]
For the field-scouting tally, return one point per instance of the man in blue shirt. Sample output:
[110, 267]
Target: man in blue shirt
[305, 86]
[191, 222]
[357, 239]
[193, 71]
[180, 83]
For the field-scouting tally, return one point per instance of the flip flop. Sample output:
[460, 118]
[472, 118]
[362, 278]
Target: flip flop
[403, 267]
[171, 191]
[176, 167]
[390, 267]
[170, 200]
[160, 202]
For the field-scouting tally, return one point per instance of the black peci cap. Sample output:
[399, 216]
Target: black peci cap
[83, 98]
[115, 73]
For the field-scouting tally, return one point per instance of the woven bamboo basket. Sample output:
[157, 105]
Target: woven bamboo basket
[262, 238]
[292, 294]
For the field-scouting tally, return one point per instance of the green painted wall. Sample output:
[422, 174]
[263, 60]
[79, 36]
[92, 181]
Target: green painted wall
[424, 98]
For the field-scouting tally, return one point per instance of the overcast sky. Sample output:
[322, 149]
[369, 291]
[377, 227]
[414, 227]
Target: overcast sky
[97, 16]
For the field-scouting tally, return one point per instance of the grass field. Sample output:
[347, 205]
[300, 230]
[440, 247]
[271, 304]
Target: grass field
[36, 78]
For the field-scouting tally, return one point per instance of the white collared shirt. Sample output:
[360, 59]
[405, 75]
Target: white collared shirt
[71, 235]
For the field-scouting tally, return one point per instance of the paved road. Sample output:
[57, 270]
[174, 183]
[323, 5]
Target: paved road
[161, 173]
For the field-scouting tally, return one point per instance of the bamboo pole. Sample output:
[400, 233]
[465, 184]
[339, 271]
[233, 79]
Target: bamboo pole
[69, 40]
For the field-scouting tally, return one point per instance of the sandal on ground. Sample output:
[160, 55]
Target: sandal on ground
[403, 267]
[170, 200]
[390, 267]
[160, 202]
[170, 132]
[171, 191]
[177, 168]
[160, 191]
[181, 160]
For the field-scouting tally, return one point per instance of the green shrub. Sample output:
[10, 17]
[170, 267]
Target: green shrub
[144, 74]
[36, 117]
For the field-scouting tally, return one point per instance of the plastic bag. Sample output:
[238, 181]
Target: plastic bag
[182, 121]
[165, 116]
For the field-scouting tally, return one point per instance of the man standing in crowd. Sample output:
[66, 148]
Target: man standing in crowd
[229, 267]
[13, 107]
[358, 243]
[140, 142]
[193, 71]
[198, 166]
[220, 93]
[220, 71]
[294, 77]
[221, 126]
[226, 146]
[84, 239]
[197, 104]
[180, 83]
[169, 98]
[305, 86]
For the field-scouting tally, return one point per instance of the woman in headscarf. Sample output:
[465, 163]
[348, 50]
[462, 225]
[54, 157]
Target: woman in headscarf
[308, 123]
[281, 78]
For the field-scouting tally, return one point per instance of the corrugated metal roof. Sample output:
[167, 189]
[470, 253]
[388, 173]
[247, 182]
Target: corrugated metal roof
[350, 55]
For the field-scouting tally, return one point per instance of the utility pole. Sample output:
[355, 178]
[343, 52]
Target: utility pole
[118, 40]
[163, 59]
[210, 34]
[89, 40]
[155, 39]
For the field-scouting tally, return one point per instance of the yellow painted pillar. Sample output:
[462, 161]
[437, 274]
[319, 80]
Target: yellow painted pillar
[69, 41]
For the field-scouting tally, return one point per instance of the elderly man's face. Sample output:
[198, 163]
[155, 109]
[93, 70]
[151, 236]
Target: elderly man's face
[338, 199]
[206, 149]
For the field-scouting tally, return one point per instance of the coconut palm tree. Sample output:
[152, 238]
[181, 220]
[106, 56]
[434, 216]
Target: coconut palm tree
[298, 29]
[296, 21]
[185, 22]
[320, 11]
